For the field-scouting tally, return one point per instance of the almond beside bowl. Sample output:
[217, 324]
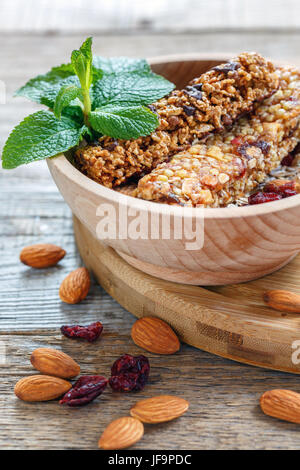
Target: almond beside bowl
[233, 244]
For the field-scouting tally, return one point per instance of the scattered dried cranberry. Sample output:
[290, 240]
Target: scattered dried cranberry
[129, 373]
[261, 198]
[90, 332]
[285, 188]
[85, 390]
[288, 160]
[288, 193]
[275, 190]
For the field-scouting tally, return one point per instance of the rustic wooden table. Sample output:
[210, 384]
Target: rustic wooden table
[224, 411]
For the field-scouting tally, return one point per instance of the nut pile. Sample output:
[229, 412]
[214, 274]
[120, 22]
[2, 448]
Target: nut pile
[128, 373]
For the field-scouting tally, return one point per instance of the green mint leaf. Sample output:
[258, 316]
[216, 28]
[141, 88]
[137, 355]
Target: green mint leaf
[130, 89]
[39, 136]
[97, 74]
[120, 64]
[43, 89]
[123, 123]
[82, 63]
[65, 70]
[74, 112]
[64, 97]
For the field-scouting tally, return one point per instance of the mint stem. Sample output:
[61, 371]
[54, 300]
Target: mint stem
[86, 106]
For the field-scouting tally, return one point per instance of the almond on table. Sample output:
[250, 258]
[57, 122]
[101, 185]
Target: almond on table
[75, 287]
[159, 409]
[283, 300]
[53, 362]
[121, 433]
[41, 388]
[281, 404]
[155, 335]
[41, 255]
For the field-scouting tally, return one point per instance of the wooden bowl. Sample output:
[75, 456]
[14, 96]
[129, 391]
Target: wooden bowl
[239, 244]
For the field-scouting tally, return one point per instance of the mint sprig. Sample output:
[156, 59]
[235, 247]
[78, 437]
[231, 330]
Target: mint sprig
[88, 97]
[39, 136]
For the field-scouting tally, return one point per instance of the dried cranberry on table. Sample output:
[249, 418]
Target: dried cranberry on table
[90, 332]
[129, 373]
[85, 390]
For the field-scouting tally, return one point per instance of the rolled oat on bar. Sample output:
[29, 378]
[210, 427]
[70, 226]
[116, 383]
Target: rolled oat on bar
[229, 165]
[209, 103]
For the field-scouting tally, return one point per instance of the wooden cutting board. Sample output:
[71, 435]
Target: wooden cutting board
[230, 321]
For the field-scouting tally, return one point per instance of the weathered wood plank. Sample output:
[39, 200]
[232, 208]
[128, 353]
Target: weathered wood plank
[158, 15]
[224, 395]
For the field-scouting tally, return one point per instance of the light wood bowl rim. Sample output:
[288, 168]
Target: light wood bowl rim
[62, 164]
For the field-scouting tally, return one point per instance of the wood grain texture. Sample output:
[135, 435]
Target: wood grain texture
[224, 395]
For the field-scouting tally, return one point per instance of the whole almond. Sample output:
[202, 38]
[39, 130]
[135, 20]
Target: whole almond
[283, 300]
[281, 404]
[75, 286]
[155, 335]
[41, 388]
[54, 362]
[159, 409]
[121, 433]
[42, 255]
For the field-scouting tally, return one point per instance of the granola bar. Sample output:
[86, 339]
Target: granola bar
[229, 165]
[211, 102]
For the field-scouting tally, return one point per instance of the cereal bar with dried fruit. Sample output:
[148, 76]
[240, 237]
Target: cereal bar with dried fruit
[229, 165]
[209, 103]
